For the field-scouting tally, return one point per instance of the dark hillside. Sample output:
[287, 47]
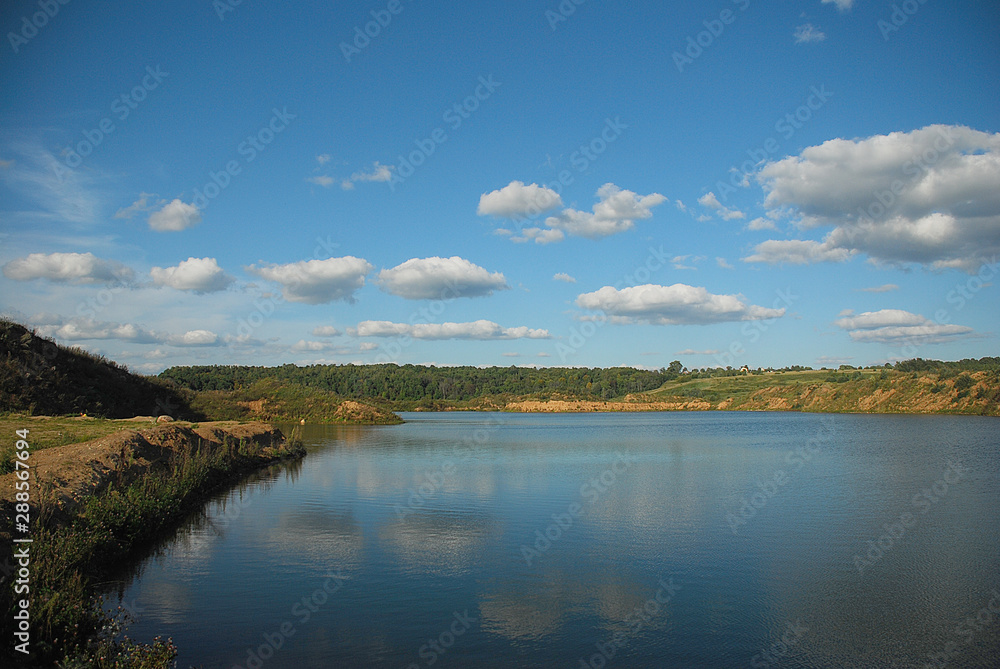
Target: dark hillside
[39, 377]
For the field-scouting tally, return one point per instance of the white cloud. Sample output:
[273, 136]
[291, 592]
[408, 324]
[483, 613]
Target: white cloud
[62, 194]
[878, 319]
[539, 236]
[323, 158]
[797, 252]
[616, 211]
[807, 33]
[761, 224]
[174, 217]
[928, 196]
[709, 201]
[885, 288]
[76, 268]
[479, 330]
[138, 207]
[83, 329]
[723, 263]
[311, 346]
[325, 331]
[690, 351]
[842, 5]
[678, 304]
[201, 275]
[379, 172]
[562, 276]
[194, 338]
[898, 327]
[79, 329]
[317, 281]
[321, 180]
[440, 278]
[516, 200]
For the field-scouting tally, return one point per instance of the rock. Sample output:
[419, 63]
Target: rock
[164, 419]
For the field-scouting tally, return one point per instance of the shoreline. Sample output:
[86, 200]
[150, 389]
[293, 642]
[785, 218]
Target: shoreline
[96, 505]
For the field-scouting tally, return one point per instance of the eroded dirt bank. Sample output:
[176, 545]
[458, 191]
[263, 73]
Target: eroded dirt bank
[63, 477]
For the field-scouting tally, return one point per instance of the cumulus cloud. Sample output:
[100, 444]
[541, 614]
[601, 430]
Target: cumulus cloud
[928, 196]
[562, 276]
[323, 158]
[898, 327]
[616, 211]
[194, 338]
[709, 201]
[140, 206]
[75, 268]
[723, 263]
[379, 172]
[539, 236]
[325, 331]
[82, 329]
[321, 180]
[807, 33]
[317, 281]
[516, 200]
[440, 278]
[679, 304]
[302, 346]
[200, 275]
[478, 330]
[761, 224]
[885, 288]
[797, 252]
[174, 217]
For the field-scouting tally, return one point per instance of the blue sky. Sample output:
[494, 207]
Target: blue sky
[528, 183]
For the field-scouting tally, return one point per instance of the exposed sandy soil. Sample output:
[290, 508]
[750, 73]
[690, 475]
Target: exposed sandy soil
[585, 406]
[66, 475]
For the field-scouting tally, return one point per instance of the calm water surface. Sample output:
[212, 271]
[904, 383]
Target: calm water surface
[591, 540]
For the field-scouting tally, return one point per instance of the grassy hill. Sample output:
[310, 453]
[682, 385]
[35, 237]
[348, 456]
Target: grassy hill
[39, 377]
[861, 390]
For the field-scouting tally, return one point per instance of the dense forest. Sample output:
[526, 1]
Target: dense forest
[408, 384]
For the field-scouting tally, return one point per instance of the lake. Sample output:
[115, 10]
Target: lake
[591, 540]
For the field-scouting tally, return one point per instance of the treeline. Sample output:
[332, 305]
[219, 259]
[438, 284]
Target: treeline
[39, 377]
[949, 368]
[411, 383]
